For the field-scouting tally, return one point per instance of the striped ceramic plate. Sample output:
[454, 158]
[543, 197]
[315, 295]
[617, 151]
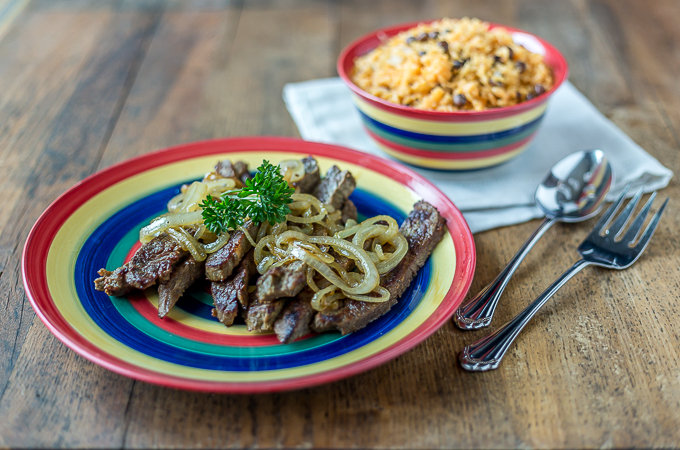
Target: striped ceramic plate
[96, 224]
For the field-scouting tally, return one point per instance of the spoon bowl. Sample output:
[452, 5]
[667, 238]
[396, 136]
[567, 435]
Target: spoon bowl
[575, 187]
[572, 191]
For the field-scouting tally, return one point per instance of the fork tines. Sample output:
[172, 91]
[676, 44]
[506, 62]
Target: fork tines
[618, 223]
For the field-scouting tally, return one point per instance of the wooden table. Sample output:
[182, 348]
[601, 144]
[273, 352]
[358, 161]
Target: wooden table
[85, 84]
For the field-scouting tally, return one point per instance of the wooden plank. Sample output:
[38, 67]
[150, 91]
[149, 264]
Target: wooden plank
[82, 86]
[170, 100]
[192, 85]
[29, 106]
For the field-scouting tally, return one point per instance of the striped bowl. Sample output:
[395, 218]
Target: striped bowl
[459, 140]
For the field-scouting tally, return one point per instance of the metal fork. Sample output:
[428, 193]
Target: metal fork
[606, 246]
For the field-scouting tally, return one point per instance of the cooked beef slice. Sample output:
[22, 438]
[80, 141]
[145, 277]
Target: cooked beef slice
[227, 295]
[261, 315]
[349, 211]
[423, 229]
[220, 265]
[238, 170]
[153, 262]
[320, 230]
[335, 187]
[183, 276]
[311, 177]
[273, 290]
[293, 322]
[113, 283]
[281, 281]
[226, 301]
[344, 262]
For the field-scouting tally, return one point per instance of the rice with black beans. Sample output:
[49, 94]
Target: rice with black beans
[452, 65]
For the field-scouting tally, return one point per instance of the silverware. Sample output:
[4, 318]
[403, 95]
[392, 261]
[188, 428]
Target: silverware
[606, 246]
[572, 191]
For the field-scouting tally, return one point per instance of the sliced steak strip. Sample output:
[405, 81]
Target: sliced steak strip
[183, 276]
[227, 295]
[273, 290]
[220, 265]
[238, 170]
[294, 320]
[154, 261]
[113, 283]
[335, 187]
[281, 281]
[423, 228]
[262, 315]
[349, 211]
[311, 177]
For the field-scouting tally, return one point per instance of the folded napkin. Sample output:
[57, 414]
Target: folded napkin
[501, 195]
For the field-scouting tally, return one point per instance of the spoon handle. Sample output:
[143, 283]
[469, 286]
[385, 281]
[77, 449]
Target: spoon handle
[478, 312]
[487, 353]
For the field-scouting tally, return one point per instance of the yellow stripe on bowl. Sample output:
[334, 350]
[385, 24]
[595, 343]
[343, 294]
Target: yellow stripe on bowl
[453, 164]
[448, 128]
[63, 253]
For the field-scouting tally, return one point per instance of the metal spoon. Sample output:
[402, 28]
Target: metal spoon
[572, 191]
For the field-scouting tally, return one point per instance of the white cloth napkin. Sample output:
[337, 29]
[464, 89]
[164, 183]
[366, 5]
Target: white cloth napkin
[502, 195]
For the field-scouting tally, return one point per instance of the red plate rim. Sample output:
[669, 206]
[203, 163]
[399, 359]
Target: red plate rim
[42, 233]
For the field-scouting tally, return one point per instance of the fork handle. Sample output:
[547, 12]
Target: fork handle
[478, 311]
[487, 353]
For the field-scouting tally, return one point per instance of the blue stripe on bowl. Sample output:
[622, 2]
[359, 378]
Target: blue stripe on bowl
[474, 138]
[98, 246]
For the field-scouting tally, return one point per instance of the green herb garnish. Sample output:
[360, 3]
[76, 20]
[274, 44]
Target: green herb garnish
[264, 198]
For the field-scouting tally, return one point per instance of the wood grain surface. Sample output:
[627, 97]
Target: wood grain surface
[85, 84]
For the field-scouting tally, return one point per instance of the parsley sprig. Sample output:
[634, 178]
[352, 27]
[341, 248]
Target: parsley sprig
[264, 198]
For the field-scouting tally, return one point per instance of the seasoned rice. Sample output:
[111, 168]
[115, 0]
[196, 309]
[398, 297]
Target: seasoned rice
[451, 65]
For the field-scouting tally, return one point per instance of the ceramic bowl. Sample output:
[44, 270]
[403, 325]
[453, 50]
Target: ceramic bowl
[459, 140]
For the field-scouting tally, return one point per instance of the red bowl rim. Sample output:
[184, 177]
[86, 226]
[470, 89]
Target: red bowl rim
[553, 57]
